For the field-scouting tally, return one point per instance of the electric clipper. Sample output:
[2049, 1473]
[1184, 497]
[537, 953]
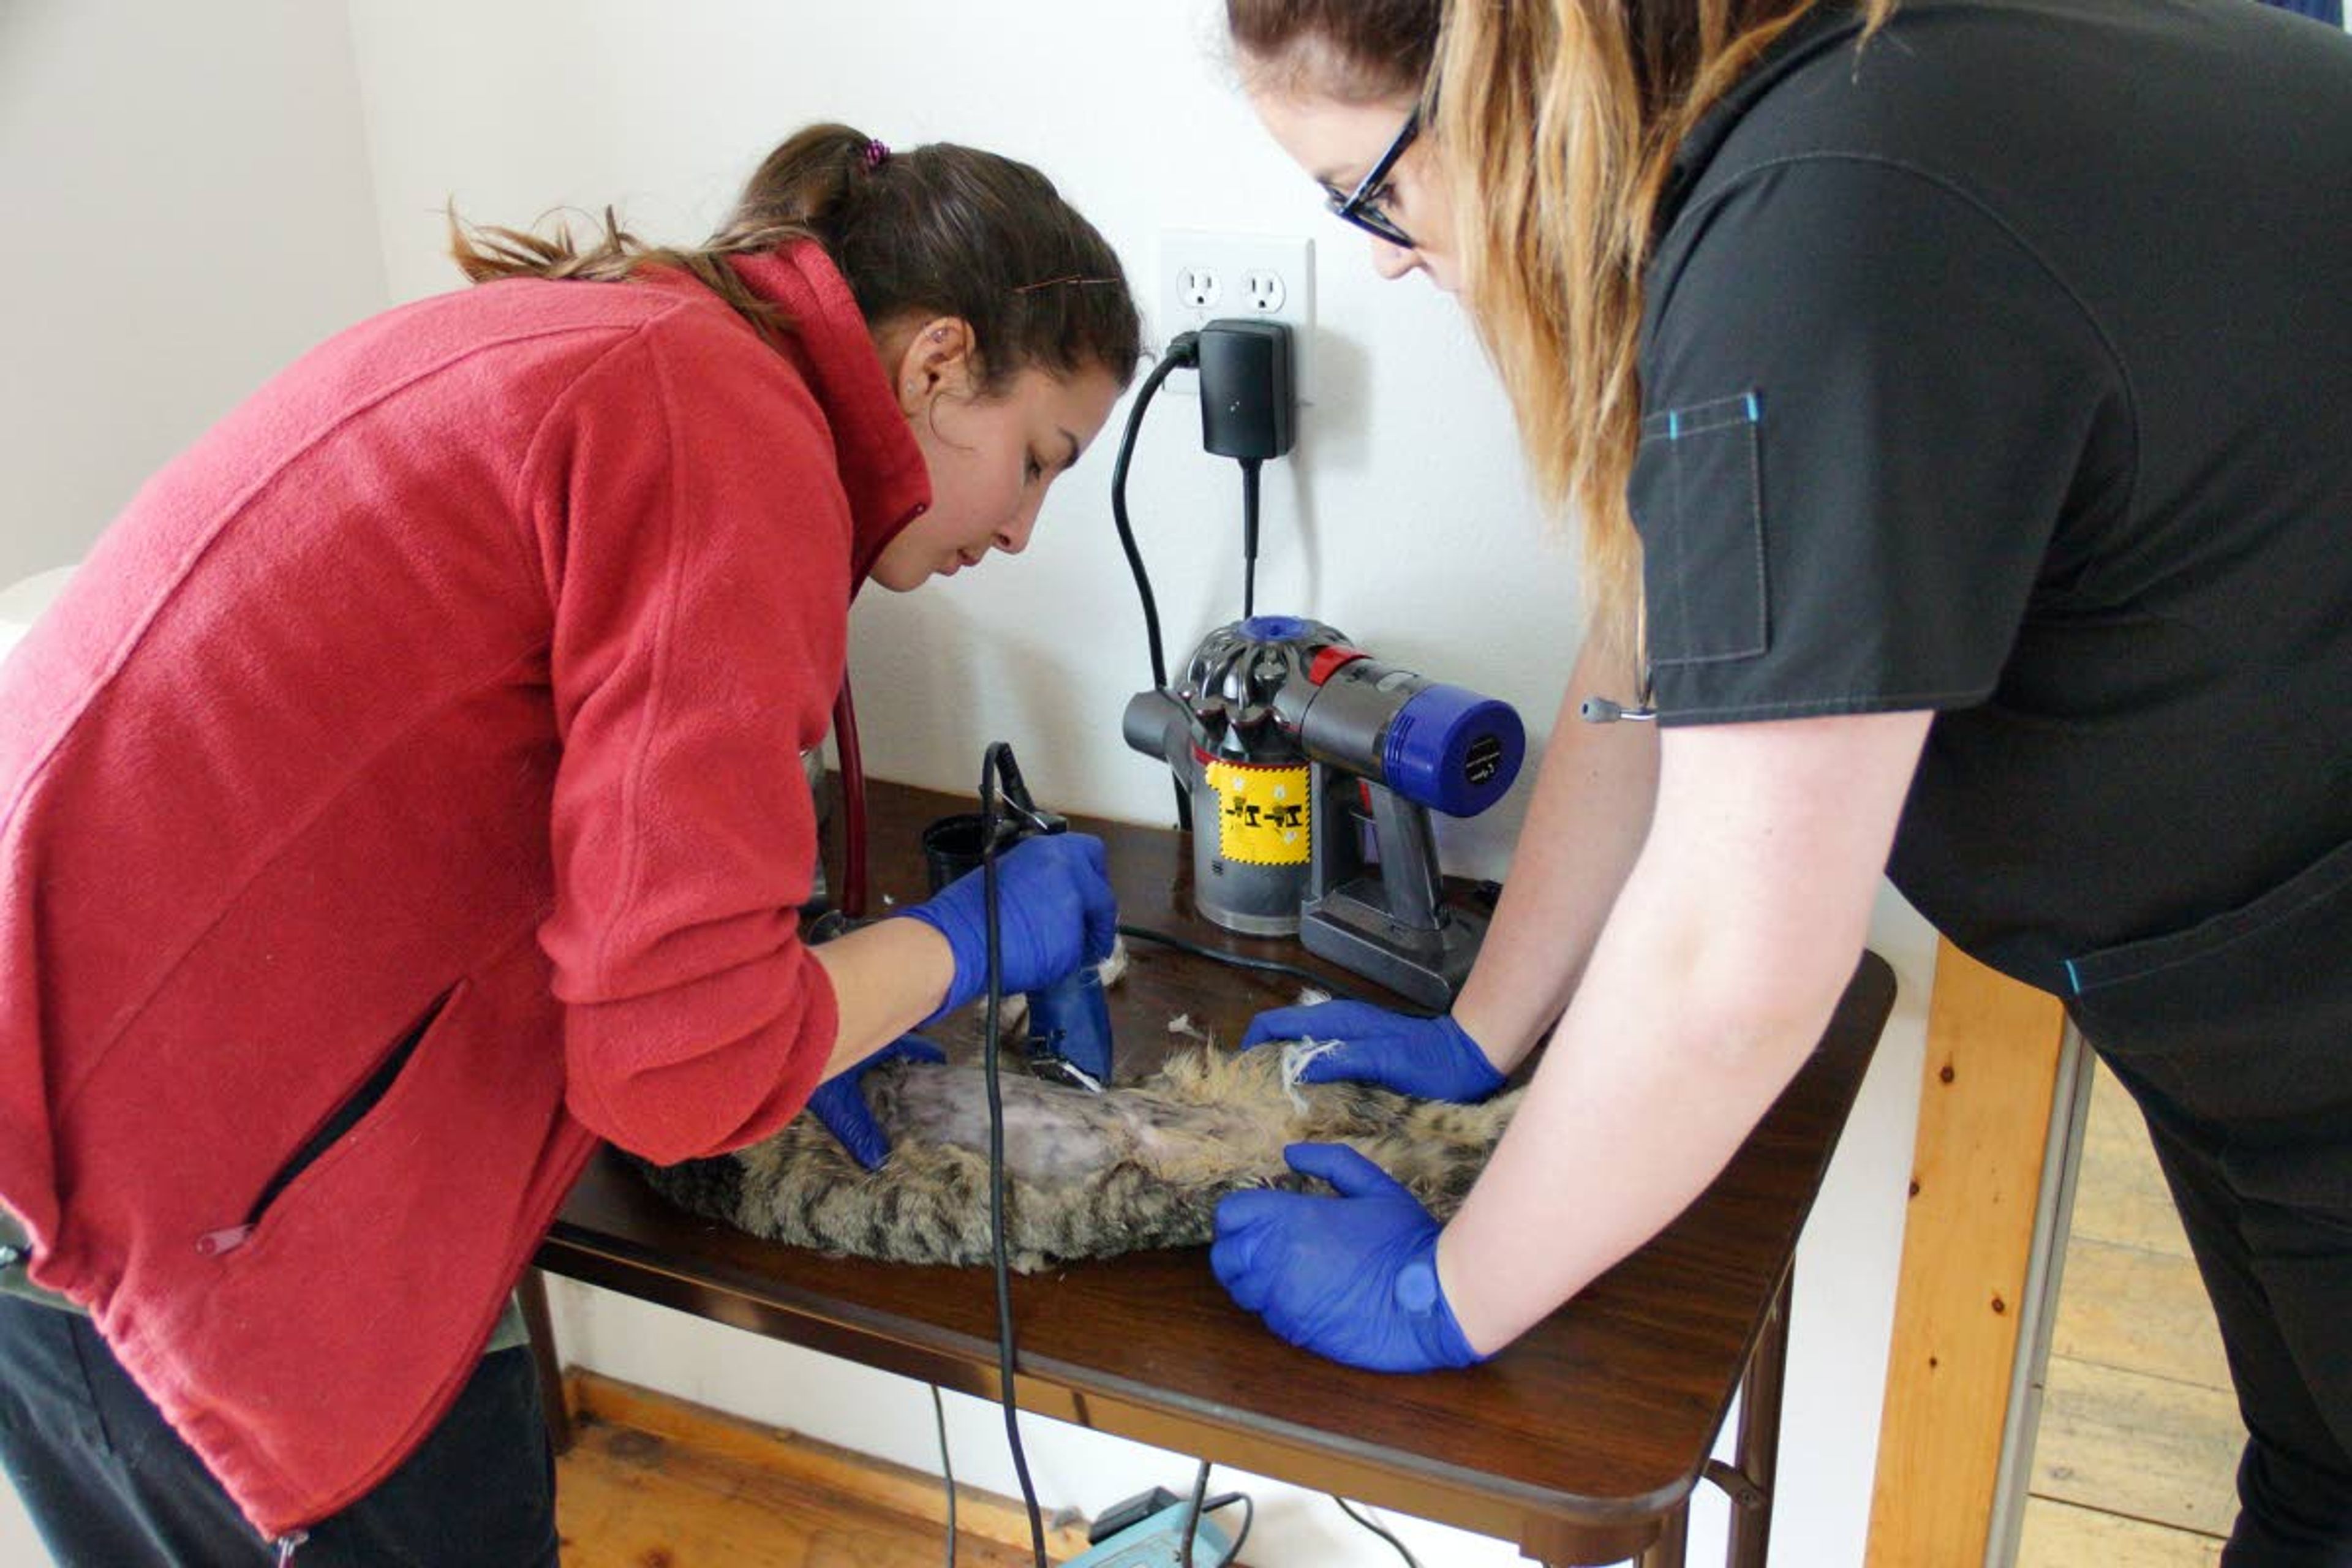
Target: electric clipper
[1069, 1023]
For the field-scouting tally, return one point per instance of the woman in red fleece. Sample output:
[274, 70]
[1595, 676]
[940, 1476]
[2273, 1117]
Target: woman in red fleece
[405, 796]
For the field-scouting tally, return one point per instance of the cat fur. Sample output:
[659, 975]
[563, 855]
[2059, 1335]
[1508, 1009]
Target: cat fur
[1087, 1175]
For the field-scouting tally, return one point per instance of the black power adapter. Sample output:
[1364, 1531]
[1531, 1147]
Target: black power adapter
[1246, 408]
[1128, 1513]
[1246, 414]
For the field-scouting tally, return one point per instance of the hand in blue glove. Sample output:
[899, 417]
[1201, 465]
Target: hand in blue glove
[840, 1104]
[1352, 1278]
[1055, 912]
[1429, 1058]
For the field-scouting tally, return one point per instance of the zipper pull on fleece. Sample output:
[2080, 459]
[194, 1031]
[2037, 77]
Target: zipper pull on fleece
[213, 1243]
[286, 1544]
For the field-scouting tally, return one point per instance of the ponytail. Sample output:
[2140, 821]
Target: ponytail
[938, 230]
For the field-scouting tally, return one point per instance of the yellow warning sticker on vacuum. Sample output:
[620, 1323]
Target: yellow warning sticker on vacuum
[1262, 813]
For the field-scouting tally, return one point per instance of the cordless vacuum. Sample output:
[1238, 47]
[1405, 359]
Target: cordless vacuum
[1312, 768]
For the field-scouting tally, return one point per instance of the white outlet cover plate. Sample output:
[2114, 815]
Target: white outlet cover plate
[1184, 254]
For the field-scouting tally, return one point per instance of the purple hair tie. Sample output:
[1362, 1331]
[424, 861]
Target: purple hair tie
[876, 154]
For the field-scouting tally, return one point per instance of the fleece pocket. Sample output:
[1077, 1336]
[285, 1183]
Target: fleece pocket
[349, 1115]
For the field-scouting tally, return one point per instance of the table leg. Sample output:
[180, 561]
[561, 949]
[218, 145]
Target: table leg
[1748, 1484]
[1760, 1435]
[533, 1292]
[1674, 1535]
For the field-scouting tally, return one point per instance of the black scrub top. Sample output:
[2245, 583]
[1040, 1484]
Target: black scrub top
[2004, 369]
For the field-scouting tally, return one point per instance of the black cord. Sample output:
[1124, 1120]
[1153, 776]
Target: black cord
[988, 806]
[1269, 965]
[1183, 354]
[1377, 1530]
[1249, 537]
[1249, 1517]
[1192, 1515]
[947, 1468]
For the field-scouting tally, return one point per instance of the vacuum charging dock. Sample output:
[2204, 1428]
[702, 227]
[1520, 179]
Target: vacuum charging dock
[1158, 1542]
[1385, 919]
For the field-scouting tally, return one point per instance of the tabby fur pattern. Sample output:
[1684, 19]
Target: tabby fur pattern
[1087, 1175]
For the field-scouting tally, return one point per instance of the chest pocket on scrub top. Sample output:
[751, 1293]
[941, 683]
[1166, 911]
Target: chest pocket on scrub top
[1697, 498]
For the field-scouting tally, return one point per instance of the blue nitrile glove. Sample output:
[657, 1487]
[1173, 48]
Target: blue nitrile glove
[1352, 1278]
[1429, 1058]
[1055, 912]
[841, 1106]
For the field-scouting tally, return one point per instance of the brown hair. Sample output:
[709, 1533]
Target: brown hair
[938, 230]
[1556, 124]
[1355, 52]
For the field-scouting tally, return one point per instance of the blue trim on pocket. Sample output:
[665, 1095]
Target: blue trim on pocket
[1698, 418]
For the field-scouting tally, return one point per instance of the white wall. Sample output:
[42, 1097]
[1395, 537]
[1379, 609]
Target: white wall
[1404, 518]
[187, 191]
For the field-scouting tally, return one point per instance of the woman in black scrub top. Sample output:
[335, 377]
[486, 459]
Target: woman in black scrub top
[1957, 399]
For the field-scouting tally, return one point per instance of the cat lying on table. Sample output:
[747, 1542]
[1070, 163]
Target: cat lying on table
[1087, 1175]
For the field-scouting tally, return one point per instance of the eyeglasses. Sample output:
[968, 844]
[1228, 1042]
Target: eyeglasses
[1362, 206]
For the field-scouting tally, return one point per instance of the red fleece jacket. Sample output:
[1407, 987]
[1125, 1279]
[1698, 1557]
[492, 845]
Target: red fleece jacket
[459, 676]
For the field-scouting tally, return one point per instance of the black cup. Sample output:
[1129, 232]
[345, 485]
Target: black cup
[951, 848]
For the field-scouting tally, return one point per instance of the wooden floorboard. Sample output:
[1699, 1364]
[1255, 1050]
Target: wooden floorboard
[2058, 1536]
[2137, 1312]
[2120, 1196]
[2124, 1443]
[655, 1482]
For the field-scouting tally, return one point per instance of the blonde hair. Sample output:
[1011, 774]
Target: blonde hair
[1555, 125]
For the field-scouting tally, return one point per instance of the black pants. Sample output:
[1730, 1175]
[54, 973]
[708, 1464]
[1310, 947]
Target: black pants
[2235, 1037]
[111, 1485]
[2280, 1276]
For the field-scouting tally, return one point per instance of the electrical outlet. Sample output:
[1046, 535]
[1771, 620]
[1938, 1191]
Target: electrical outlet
[1199, 287]
[1204, 277]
